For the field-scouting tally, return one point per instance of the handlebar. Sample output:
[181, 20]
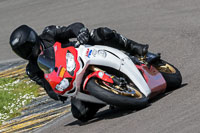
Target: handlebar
[77, 44]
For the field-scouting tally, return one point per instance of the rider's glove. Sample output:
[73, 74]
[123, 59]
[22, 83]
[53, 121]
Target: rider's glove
[83, 36]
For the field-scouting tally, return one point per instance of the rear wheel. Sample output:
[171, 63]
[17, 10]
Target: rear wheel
[127, 96]
[170, 73]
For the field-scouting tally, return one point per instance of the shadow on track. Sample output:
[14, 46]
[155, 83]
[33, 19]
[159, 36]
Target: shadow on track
[160, 96]
[119, 112]
[105, 114]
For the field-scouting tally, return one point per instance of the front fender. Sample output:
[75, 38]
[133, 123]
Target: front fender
[99, 74]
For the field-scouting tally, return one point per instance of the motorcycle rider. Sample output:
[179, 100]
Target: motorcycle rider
[26, 43]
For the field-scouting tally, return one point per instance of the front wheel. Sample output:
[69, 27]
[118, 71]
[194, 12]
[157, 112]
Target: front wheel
[170, 73]
[116, 95]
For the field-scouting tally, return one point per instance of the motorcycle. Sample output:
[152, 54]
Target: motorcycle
[103, 75]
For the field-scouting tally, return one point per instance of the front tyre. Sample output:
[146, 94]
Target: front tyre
[115, 95]
[170, 73]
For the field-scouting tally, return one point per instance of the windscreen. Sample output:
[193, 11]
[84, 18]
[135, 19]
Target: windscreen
[46, 61]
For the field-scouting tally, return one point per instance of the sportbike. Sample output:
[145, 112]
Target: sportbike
[104, 75]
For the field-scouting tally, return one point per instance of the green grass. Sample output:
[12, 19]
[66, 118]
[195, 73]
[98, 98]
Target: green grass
[14, 94]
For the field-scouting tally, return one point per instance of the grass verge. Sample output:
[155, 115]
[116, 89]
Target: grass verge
[14, 94]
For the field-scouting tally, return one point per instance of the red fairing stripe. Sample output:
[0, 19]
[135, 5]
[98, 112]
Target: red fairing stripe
[99, 75]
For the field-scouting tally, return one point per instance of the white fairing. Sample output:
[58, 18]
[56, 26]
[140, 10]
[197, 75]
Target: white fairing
[107, 56]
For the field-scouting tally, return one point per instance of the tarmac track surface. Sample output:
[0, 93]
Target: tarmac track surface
[170, 27]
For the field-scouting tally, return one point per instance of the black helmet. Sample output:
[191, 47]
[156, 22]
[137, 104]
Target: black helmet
[25, 42]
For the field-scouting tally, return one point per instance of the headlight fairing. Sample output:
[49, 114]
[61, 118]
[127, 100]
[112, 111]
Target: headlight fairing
[64, 84]
[71, 64]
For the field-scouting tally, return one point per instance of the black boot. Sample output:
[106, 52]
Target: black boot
[137, 49]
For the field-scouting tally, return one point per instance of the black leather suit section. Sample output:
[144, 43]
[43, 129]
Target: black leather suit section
[52, 34]
[108, 37]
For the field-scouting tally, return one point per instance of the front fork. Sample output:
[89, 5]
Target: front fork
[101, 74]
[98, 73]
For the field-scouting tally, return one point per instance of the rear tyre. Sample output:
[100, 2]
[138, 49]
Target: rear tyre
[110, 95]
[170, 73]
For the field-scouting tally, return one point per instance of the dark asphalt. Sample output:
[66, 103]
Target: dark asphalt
[171, 27]
[4, 65]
